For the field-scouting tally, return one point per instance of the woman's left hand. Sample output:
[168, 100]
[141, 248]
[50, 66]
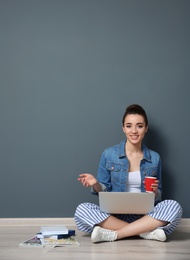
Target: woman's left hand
[154, 187]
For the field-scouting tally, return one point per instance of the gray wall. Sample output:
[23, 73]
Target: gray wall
[68, 69]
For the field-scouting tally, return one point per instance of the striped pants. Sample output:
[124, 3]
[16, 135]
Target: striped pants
[88, 215]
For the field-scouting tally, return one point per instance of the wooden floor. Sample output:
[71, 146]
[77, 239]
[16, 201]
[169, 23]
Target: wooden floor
[15, 231]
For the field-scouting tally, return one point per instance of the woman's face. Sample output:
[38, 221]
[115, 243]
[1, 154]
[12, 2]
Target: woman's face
[134, 128]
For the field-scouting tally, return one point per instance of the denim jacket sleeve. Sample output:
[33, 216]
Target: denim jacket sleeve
[158, 197]
[103, 177]
[152, 166]
[159, 177]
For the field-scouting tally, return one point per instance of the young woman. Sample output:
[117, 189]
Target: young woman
[123, 167]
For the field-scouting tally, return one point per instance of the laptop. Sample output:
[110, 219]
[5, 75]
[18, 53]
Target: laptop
[126, 202]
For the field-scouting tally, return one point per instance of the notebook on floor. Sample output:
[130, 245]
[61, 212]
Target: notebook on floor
[126, 202]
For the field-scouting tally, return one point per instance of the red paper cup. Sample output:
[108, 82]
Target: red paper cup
[148, 183]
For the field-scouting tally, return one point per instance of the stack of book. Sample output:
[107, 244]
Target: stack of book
[52, 236]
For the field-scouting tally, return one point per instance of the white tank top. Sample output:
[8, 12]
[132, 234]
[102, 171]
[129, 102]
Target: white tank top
[134, 182]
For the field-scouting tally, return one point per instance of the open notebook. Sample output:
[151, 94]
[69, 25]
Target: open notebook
[126, 202]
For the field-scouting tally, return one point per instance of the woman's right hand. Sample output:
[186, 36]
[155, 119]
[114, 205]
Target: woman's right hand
[87, 179]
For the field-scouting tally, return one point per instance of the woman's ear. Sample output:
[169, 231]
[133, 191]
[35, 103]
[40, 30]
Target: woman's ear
[146, 129]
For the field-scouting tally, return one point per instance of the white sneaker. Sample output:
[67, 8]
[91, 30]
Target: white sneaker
[101, 234]
[157, 234]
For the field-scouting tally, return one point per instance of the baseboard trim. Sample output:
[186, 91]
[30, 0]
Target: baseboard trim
[54, 221]
[36, 221]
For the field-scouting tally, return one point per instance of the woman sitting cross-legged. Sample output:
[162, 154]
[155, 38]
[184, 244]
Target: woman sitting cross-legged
[130, 162]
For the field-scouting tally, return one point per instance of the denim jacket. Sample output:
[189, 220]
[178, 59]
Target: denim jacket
[114, 169]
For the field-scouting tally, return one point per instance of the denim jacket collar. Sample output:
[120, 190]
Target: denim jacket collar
[146, 152]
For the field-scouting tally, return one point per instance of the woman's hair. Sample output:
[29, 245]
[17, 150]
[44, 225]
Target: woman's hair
[135, 109]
